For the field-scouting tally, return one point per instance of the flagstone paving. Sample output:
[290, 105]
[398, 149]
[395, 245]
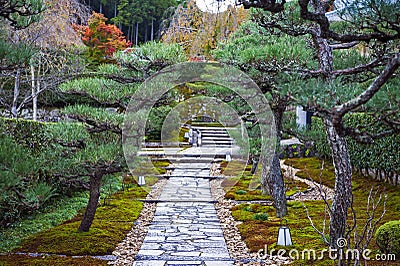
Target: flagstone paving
[185, 228]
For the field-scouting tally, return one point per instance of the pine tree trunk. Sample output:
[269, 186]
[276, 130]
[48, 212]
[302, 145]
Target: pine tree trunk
[272, 182]
[342, 198]
[325, 56]
[95, 183]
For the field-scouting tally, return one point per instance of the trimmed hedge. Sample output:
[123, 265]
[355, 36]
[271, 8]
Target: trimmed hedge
[30, 134]
[382, 155]
[31, 170]
[387, 238]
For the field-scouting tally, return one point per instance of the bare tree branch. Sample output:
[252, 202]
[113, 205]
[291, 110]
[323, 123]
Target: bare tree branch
[365, 96]
[344, 45]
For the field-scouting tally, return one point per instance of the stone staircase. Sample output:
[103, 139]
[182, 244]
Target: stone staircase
[215, 137]
[215, 143]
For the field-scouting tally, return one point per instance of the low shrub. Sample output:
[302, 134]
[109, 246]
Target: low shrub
[241, 192]
[387, 238]
[261, 216]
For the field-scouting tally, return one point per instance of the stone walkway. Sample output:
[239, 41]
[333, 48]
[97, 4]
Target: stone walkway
[185, 229]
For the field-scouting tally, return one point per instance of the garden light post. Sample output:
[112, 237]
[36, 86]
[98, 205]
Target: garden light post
[141, 181]
[228, 157]
[284, 237]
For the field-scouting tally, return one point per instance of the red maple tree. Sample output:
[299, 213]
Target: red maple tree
[103, 40]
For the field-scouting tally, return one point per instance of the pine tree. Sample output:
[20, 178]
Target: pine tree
[342, 81]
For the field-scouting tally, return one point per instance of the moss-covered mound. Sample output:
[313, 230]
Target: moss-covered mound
[112, 222]
[21, 260]
[258, 233]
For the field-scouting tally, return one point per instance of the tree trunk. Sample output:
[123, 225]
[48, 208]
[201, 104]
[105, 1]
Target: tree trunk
[129, 35]
[115, 9]
[146, 26]
[34, 94]
[271, 177]
[137, 34]
[342, 198]
[325, 56]
[14, 110]
[101, 8]
[132, 33]
[152, 30]
[273, 182]
[95, 183]
[38, 87]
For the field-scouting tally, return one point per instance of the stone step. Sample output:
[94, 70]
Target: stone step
[188, 155]
[189, 176]
[169, 258]
[216, 138]
[174, 261]
[193, 160]
[192, 176]
[219, 141]
[215, 128]
[214, 133]
[193, 167]
[179, 201]
[221, 129]
[218, 146]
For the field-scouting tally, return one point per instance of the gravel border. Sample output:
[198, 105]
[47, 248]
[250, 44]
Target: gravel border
[315, 192]
[237, 248]
[130, 246]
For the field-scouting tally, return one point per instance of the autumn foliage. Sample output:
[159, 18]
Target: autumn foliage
[103, 40]
[199, 32]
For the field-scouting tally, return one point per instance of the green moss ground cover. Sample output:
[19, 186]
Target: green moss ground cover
[112, 222]
[258, 233]
[59, 210]
[21, 260]
[160, 166]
